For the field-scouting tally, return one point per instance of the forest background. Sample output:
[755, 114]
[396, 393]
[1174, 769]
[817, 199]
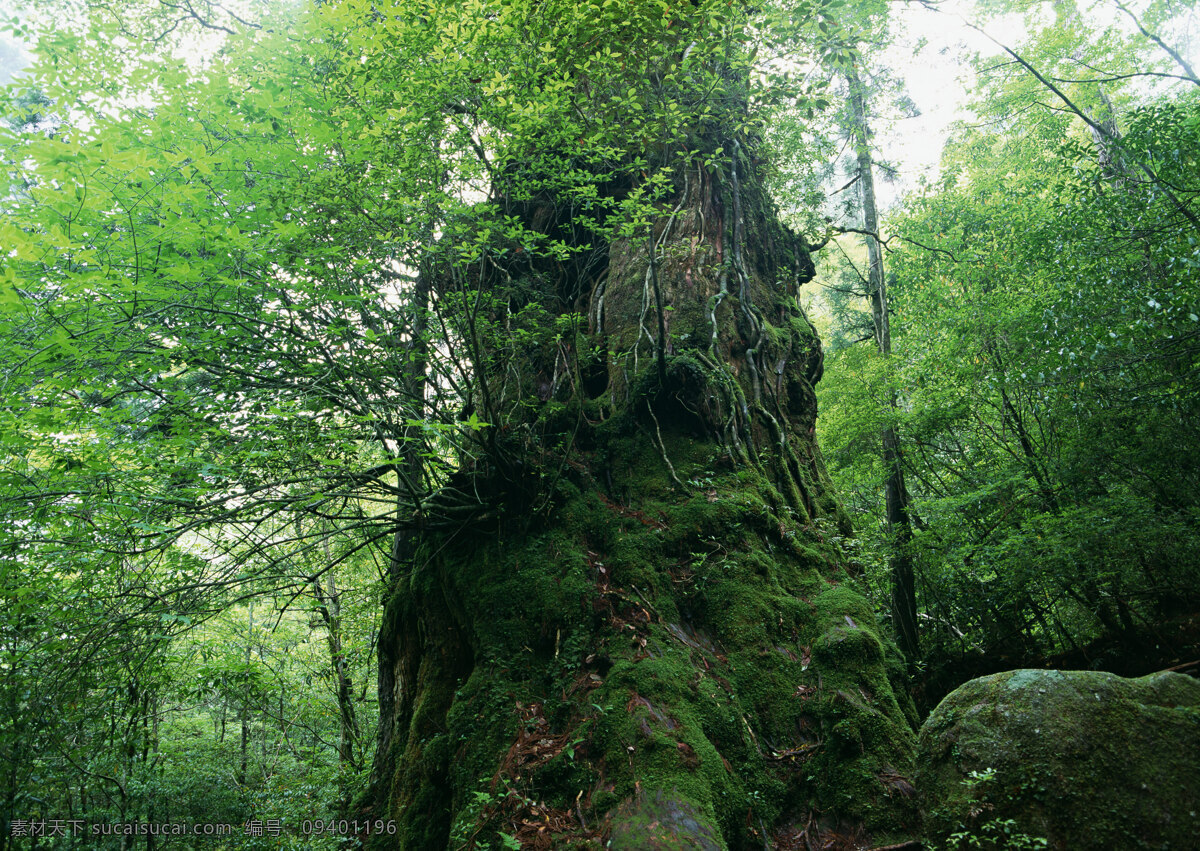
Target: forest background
[212, 304]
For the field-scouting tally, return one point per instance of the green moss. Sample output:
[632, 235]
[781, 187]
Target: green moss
[1088, 760]
[702, 655]
[663, 821]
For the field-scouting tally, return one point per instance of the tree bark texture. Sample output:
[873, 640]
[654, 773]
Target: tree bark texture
[643, 632]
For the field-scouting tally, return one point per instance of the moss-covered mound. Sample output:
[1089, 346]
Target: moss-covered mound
[651, 670]
[1083, 759]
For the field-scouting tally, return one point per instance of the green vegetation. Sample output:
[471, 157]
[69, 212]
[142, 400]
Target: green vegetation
[1045, 294]
[409, 417]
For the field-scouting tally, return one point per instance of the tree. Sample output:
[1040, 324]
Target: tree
[497, 284]
[598, 646]
[1043, 341]
[904, 598]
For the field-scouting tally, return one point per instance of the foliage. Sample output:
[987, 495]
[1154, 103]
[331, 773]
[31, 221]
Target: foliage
[274, 310]
[1045, 297]
[1000, 833]
[246, 341]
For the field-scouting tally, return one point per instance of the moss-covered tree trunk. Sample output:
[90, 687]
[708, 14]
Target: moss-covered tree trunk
[645, 631]
[626, 618]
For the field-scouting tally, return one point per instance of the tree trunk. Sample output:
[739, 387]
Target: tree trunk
[329, 604]
[245, 707]
[643, 630]
[904, 592]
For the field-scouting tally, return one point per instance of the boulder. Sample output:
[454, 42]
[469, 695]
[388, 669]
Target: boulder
[1079, 759]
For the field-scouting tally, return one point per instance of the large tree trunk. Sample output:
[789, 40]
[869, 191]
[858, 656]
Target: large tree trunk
[645, 630]
[626, 617]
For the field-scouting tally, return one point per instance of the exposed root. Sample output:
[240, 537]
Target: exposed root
[663, 449]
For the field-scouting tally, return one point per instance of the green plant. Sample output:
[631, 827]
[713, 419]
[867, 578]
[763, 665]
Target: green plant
[995, 834]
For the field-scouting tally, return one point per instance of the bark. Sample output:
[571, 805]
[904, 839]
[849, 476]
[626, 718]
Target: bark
[642, 633]
[625, 621]
[904, 593]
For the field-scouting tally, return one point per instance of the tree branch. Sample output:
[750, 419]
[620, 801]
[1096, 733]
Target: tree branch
[884, 242]
[1179, 60]
[1099, 128]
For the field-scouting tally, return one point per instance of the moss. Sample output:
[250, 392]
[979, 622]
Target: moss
[1086, 759]
[684, 648]
[679, 660]
[663, 821]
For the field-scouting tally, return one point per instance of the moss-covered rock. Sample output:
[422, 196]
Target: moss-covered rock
[1083, 759]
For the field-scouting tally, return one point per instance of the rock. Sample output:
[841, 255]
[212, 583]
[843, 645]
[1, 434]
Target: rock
[661, 822]
[1083, 759]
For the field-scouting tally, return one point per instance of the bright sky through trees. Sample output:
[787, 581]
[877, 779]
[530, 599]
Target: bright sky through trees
[930, 55]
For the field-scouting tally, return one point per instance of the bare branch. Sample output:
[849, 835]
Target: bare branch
[1113, 78]
[884, 242]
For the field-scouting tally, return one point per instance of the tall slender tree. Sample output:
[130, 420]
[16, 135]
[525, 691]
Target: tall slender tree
[899, 524]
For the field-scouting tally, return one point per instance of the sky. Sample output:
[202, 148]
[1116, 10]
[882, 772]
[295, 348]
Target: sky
[931, 52]
[12, 58]
[936, 76]
[937, 80]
